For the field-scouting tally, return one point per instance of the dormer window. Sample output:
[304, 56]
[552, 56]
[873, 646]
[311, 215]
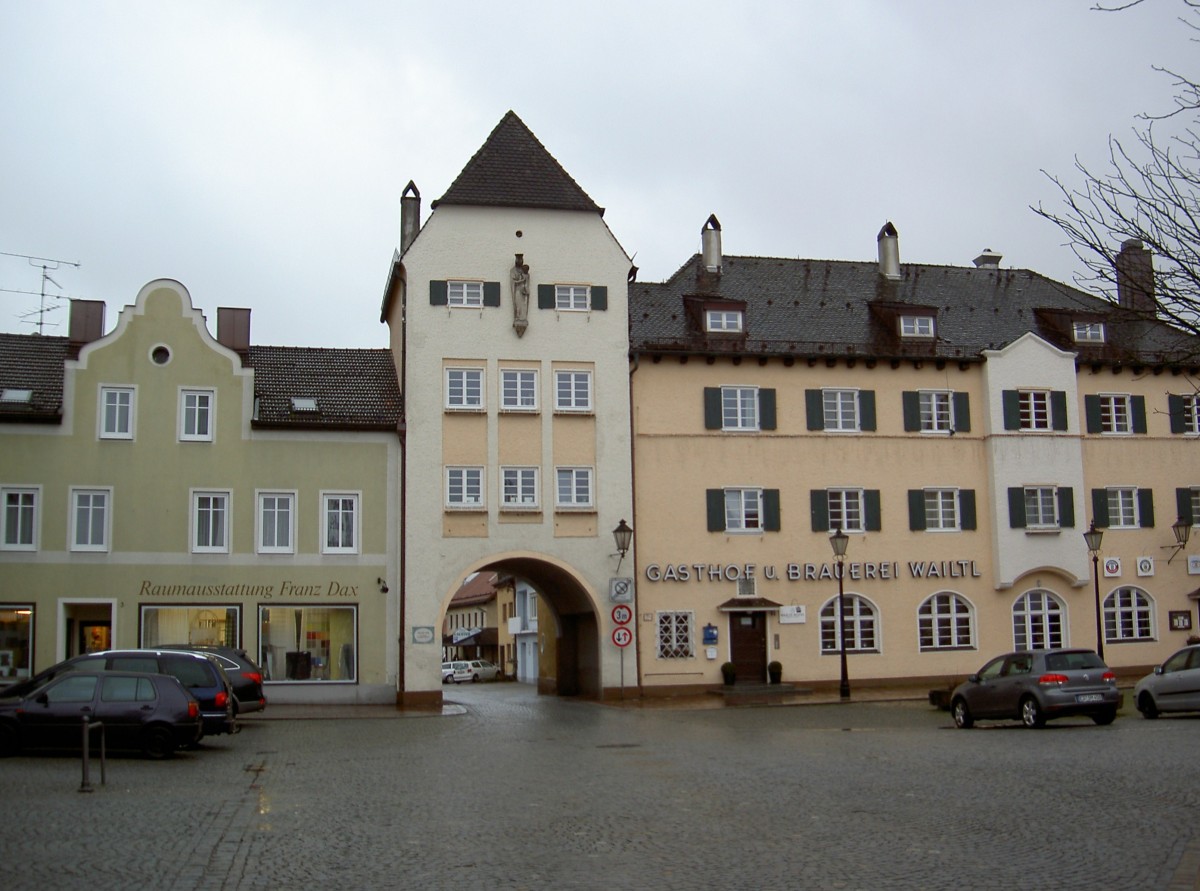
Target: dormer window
[1088, 332]
[916, 326]
[725, 321]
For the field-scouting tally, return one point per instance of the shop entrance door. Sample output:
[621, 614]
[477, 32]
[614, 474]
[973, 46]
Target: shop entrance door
[748, 646]
[85, 626]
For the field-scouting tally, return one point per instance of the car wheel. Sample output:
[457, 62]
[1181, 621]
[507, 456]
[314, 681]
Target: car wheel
[10, 743]
[158, 743]
[1031, 713]
[963, 719]
[1146, 706]
[446, 679]
[474, 679]
[1105, 717]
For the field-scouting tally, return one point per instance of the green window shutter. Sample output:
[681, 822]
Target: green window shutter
[599, 297]
[1066, 507]
[1145, 499]
[814, 408]
[966, 509]
[1139, 414]
[1058, 409]
[491, 293]
[962, 412]
[716, 510]
[1100, 508]
[1011, 401]
[712, 408]
[819, 506]
[1091, 408]
[1016, 507]
[910, 401]
[866, 410]
[766, 409]
[1183, 505]
[771, 516]
[545, 296]
[437, 294]
[916, 510]
[874, 515]
[1175, 408]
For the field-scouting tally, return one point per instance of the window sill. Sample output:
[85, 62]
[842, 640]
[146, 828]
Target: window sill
[466, 508]
[510, 410]
[568, 509]
[1047, 530]
[465, 410]
[578, 412]
[520, 509]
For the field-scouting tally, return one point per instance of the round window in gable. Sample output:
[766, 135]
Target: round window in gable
[160, 355]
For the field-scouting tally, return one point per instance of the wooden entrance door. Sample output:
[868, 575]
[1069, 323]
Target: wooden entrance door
[748, 646]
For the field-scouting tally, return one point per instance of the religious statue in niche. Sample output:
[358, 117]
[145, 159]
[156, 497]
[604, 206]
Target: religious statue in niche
[520, 294]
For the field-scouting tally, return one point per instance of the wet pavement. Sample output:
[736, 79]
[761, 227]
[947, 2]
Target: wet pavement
[509, 790]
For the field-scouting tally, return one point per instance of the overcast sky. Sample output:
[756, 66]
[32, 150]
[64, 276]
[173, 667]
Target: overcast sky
[256, 151]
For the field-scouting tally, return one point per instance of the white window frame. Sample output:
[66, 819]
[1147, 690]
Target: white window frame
[469, 386]
[945, 621]
[335, 502]
[519, 389]
[1041, 507]
[1196, 505]
[17, 543]
[90, 493]
[941, 510]
[1128, 615]
[190, 414]
[917, 327]
[461, 481]
[744, 510]
[723, 321]
[464, 294]
[1039, 621]
[568, 497]
[843, 504]
[1088, 332]
[1191, 414]
[572, 377]
[261, 524]
[936, 410]
[1116, 414]
[862, 620]
[572, 298]
[1036, 413]
[520, 488]
[675, 634]
[1122, 507]
[202, 519]
[129, 410]
[840, 410]
[739, 408]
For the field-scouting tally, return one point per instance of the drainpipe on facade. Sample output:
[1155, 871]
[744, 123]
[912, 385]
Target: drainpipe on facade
[637, 616]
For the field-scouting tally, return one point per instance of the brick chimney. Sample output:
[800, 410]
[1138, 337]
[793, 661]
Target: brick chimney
[1135, 278]
[87, 322]
[410, 215]
[233, 329]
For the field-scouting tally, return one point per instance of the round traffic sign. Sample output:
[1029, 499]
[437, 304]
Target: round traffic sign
[622, 636]
[622, 614]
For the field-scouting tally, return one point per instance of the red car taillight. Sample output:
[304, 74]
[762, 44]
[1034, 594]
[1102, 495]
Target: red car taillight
[1108, 677]
[222, 699]
[193, 709]
[255, 676]
[1053, 679]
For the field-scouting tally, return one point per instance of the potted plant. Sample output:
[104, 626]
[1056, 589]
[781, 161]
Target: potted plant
[728, 673]
[775, 672]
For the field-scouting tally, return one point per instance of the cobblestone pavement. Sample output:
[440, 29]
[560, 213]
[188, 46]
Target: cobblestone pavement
[508, 790]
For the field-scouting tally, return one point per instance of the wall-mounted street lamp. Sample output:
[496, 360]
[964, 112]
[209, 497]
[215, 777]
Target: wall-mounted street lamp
[623, 535]
[1183, 531]
[1093, 537]
[838, 541]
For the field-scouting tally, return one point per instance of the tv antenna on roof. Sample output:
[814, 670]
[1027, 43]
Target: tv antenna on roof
[47, 265]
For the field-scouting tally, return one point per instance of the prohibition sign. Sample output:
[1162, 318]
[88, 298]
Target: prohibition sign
[622, 614]
[622, 636]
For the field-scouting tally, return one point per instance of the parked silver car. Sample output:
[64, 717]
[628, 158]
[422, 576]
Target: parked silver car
[1173, 686]
[1037, 685]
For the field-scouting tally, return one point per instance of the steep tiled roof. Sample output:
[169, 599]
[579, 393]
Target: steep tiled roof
[351, 388]
[33, 362]
[808, 308]
[480, 588]
[513, 169]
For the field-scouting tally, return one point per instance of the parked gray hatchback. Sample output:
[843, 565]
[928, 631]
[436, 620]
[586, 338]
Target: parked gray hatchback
[1173, 686]
[1036, 685]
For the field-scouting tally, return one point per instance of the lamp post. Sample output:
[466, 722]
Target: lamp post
[1093, 537]
[838, 541]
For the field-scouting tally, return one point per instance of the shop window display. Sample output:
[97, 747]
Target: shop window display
[16, 632]
[202, 625]
[308, 643]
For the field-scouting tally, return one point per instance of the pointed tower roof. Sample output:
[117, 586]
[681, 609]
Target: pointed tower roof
[513, 169]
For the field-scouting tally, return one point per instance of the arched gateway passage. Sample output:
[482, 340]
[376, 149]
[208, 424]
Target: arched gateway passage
[572, 625]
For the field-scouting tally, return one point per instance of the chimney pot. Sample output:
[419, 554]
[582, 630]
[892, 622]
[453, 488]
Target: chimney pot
[889, 252]
[710, 240]
[410, 215]
[1135, 277]
[988, 259]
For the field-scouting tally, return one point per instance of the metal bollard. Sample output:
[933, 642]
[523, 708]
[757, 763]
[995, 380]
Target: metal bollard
[86, 784]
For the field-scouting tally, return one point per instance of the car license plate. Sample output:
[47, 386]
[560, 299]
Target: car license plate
[1089, 697]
